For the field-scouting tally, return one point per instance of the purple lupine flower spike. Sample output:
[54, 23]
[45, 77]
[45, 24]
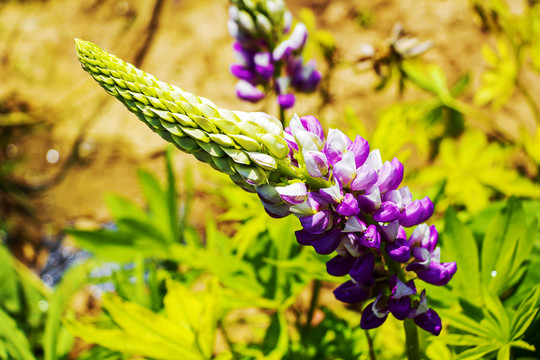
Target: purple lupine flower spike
[267, 55]
[361, 213]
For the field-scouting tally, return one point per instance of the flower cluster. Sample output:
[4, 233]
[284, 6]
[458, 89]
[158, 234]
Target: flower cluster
[362, 215]
[268, 57]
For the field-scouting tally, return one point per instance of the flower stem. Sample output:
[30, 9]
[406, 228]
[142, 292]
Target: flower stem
[282, 116]
[370, 345]
[411, 340]
[313, 304]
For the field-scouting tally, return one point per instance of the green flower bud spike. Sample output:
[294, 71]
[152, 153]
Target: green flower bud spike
[249, 147]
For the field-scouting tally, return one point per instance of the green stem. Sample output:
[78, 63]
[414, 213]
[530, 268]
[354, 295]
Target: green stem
[530, 101]
[292, 172]
[313, 304]
[282, 116]
[370, 345]
[411, 340]
[411, 333]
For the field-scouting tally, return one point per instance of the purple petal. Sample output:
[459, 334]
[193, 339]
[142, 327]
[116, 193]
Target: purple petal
[389, 176]
[306, 238]
[398, 175]
[313, 125]
[374, 160]
[243, 73]
[389, 232]
[413, 214]
[366, 177]
[362, 269]
[348, 207]
[354, 224]
[316, 163]
[400, 308]
[399, 250]
[351, 244]
[312, 205]
[400, 289]
[427, 204]
[291, 141]
[248, 92]
[345, 169]
[298, 37]
[336, 144]
[306, 78]
[431, 242]
[351, 292]
[370, 200]
[371, 238]
[332, 194]
[243, 55]
[438, 274]
[387, 212]
[370, 320]
[340, 265]
[360, 148]
[286, 101]
[328, 242]
[263, 65]
[317, 223]
[429, 321]
[294, 193]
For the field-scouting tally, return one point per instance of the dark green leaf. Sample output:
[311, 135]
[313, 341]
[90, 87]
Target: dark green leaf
[460, 246]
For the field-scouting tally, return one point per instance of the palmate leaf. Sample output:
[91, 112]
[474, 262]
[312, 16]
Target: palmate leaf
[185, 330]
[495, 332]
[506, 245]
[498, 82]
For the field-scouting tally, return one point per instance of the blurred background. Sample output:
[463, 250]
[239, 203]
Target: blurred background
[462, 116]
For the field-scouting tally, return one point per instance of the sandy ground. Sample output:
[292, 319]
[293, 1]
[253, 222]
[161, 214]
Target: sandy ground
[189, 47]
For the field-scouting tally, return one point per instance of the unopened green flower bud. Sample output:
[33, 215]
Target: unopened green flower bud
[245, 146]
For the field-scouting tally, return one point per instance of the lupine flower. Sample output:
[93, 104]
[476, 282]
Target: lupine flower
[347, 200]
[362, 216]
[269, 55]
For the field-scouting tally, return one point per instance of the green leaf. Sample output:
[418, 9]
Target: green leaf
[16, 341]
[460, 246]
[525, 313]
[499, 245]
[464, 323]
[158, 204]
[500, 320]
[504, 353]
[56, 341]
[122, 208]
[463, 340]
[117, 246]
[171, 194]
[477, 352]
[140, 332]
